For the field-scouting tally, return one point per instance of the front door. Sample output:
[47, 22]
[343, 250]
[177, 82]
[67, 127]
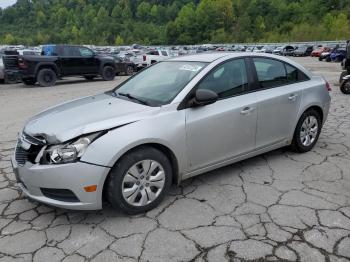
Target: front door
[225, 129]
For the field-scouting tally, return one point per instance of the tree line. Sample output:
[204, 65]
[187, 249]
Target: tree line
[158, 22]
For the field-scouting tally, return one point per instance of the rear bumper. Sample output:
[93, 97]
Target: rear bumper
[12, 75]
[34, 178]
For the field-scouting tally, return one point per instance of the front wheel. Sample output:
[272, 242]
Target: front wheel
[307, 131]
[345, 87]
[108, 73]
[129, 70]
[139, 180]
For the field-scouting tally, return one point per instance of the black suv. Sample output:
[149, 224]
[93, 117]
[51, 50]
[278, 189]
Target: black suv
[57, 61]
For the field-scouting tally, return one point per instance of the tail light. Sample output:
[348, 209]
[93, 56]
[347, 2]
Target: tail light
[144, 58]
[328, 86]
[22, 64]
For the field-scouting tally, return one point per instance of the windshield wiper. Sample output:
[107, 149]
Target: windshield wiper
[140, 100]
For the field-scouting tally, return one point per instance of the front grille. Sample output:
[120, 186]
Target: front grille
[21, 155]
[64, 195]
[10, 61]
[38, 141]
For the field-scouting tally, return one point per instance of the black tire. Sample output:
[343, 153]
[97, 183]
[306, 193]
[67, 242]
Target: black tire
[29, 81]
[119, 171]
[320, 58]
[328, 59]
[108, 73]
[297, 144]
[89, 77]
[129, 70]
[47, 77]
[345, 87]
[342, 74]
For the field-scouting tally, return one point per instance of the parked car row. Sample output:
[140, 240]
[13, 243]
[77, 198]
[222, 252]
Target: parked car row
[334, 54]
[86, 60]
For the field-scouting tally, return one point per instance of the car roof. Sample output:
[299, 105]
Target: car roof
[206, 57]
[211, 57]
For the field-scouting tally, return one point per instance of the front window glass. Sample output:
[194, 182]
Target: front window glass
[229, 79]
[160, 83]
[85, 52]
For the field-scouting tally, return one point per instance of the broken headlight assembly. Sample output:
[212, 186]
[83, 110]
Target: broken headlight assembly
[68, 152]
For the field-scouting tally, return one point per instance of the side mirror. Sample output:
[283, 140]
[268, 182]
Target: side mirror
[203, 97]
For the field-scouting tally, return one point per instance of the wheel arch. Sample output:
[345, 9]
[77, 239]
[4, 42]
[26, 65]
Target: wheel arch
[317, 108]
[46, 65]
[164, 149]
[107, 63]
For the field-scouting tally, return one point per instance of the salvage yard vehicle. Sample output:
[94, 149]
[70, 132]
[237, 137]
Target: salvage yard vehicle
[172, 121]
[288, 50]
[303, 51]
[338, 54]
[124, 67]
[317, 52]
[58, 61]
[278, 50]
[154, 56]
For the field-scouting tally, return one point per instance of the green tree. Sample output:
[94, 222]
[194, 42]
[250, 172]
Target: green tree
[143, 11]
[119, 41]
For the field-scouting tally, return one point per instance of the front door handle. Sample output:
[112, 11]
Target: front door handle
[247, 110]
[293, 97]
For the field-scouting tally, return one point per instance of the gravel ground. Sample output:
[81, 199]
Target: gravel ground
[277, 206]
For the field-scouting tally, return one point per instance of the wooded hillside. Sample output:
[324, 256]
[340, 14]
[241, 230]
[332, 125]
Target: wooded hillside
[173, 21]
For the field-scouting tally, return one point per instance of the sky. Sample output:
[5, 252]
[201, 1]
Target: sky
[6, 3]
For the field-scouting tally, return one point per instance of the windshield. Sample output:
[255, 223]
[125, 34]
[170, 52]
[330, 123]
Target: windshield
[159, 84]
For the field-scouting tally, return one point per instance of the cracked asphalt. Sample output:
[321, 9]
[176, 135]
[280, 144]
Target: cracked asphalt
[280, 206]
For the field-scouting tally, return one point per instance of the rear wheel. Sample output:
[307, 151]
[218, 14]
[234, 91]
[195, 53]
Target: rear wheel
[345, 87]
[47, 77]
[108, 73]
[307, 131]
[139, 180]
[29, 81]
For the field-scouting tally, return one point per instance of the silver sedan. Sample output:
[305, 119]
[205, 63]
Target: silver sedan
[175, 120]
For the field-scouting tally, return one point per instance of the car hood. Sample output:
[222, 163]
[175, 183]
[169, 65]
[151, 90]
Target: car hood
[86, 115]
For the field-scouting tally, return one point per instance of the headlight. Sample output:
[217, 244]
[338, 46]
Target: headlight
[69, 152]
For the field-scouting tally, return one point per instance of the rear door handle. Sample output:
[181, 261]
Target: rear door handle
[292, 96]
[247, 110]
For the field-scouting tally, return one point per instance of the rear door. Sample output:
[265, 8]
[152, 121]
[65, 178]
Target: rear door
[279, 94]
